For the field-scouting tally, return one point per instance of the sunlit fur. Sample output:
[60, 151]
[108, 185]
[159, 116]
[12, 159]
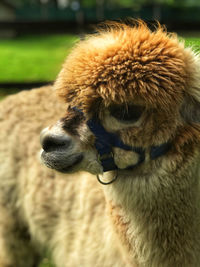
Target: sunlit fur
[150, 216]
[123, 63]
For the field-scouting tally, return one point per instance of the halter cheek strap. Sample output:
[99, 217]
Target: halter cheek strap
[105, 141]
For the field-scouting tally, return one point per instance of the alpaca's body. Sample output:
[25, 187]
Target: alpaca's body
[67, 213]
[140, 88]
[57, 210]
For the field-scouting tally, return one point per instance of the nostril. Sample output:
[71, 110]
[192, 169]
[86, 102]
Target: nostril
[53, 143]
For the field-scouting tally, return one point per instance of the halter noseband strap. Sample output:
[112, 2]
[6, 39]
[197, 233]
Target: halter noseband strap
[105, 141]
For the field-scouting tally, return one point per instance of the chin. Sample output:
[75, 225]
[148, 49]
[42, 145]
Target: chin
[62, 163]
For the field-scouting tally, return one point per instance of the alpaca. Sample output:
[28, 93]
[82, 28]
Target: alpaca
[130, 118]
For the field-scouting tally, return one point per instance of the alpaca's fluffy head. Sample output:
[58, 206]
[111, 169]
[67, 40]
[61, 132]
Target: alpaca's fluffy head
[125, 64]
[142, 85]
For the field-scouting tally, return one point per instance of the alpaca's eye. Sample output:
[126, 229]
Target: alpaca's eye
[129, 113]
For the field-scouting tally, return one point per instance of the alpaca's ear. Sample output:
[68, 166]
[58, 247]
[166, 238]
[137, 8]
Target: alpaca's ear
[190, 110]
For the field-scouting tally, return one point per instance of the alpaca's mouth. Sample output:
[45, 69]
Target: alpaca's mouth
[61, 162]
[69, 168]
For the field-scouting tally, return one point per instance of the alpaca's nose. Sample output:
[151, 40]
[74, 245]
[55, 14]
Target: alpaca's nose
[51, 142]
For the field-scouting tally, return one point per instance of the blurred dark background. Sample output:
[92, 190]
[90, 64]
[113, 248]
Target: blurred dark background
[50, 16]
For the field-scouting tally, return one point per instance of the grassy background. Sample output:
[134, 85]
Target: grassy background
[33, 58]
[39, 58]
[194, 42]
[46, 263]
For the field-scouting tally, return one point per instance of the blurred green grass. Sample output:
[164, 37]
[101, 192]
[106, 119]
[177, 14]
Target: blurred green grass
[194, 42]
[46, 263]
[39, 58]
[33, 58]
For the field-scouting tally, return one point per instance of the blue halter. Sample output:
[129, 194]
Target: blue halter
[105, 141]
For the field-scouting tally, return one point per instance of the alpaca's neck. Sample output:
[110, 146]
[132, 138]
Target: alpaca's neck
[156, 216]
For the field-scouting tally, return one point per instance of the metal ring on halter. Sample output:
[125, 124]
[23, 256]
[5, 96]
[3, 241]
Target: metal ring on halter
[110, 182]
